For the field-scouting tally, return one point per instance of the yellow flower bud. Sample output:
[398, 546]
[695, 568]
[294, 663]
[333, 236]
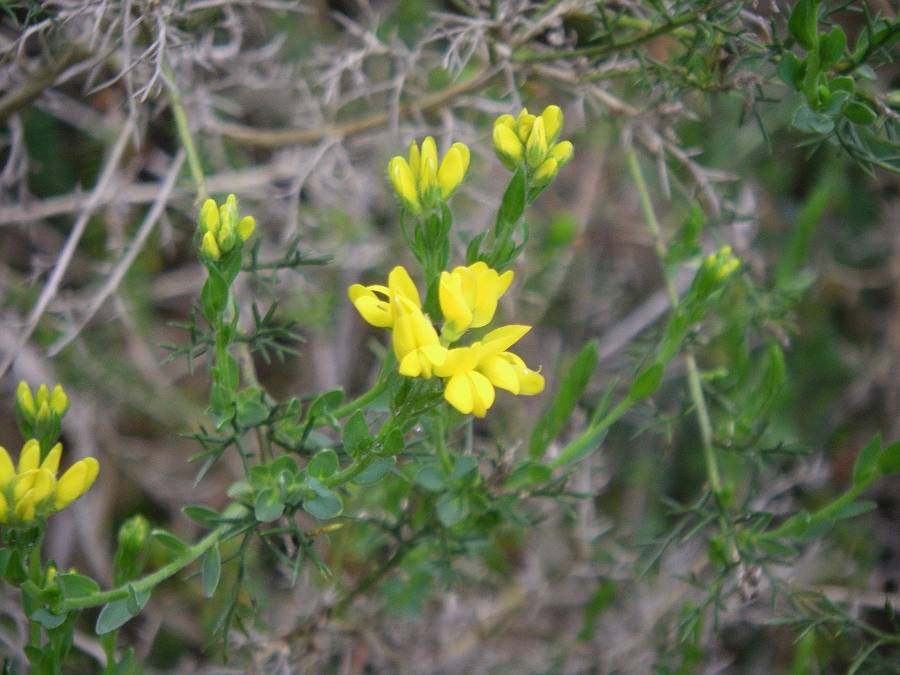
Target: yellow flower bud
[525, 124]
[75, 482]
[44, 483]
[453, 169]
[428, 179]
[209, 247]
[536, 149]
[404, 183]
[508, 146]
[209, 217]
[553, 122]
[545, 173]
[228, 236]
[562, 153]
[59, 401]
[246, 227]
[31, 456]
[41, 396]
[7, 469]
[43, 413]
[4, 509]
[415, 159]
[505, 120]
[25, 399]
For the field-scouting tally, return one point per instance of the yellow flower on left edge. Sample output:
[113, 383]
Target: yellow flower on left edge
[32, 490]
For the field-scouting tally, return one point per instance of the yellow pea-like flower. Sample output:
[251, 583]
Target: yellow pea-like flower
[416, 344]
[75, 482]
[546, 172]
[562, 152]
[453, 169]
[209, 217]
[51, 461]
[468, 297]
[508, 371]
[374, 302]
[404, 182]
[524, 125]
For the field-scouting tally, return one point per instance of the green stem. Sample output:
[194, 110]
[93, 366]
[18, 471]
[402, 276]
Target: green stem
[694, 383]
[825, 513]
[149, 581]
[184, 133]
[576, 448]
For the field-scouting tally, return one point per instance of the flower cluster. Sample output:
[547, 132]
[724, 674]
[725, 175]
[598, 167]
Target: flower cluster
[422, 183]
[39, 415]
[468, 299]
[221, 229]
[532, 139]
[31, 490]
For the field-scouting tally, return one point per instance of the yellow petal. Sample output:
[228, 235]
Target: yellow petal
[459, 360]
[562, 153]
[246, 227]
[428, 168]
[501, 339]
[44, 483]
[374, 310]
[553, 122]
[399, 283]
[500, 373]
[59, 401]
[210, 247]
[505, 120]
[7, 469]
[209, 217]
[51, 461]
[75, 482]
[546, 172]
[25, 508]
[456, 294]
[30, 457]
[482, 394]
[525, 125]
[452, 170]
[470, 392]
[42, 396]
[415, 158]
[536, 149]
[23, 482]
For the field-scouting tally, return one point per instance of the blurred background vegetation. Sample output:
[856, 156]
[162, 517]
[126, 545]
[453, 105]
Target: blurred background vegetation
[297, 107]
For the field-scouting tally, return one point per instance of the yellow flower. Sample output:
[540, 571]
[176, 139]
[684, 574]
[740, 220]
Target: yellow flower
[209, 247]
[422, 182]
[31, 489]
[374, 302]
[75, 482]
[416, 343]
[468, 298]
[24, 398]
[507, 145]
[473, 372]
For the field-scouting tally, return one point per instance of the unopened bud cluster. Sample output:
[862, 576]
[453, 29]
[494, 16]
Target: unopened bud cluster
[531, 140]
[421, 182]
[221, 229]
[714, 271]
[30, 489]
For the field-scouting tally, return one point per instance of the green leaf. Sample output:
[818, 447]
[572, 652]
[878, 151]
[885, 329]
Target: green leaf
[431, 478]
[843, 83]
[853, 509]
[356, 433]
[393, 444]
[859, 113]
[811, 122]
[464, 464]
[47, 619]
[202, 515]
[513, 205]
[526, 474]
[831, 47]
[570, 391]
[112, 616]
[377, 470]
[214, 296]
[136, 599]
[251, 411]
[865, 469]
[646, 383]
[324, 507]
[282, 464]
[451, 509]
[76, 586]
[803, 24]
[323, 465]
[268, 506]
[889, 460]
[790, 70]
[473, 254]
[169, 540]
[211, 570]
